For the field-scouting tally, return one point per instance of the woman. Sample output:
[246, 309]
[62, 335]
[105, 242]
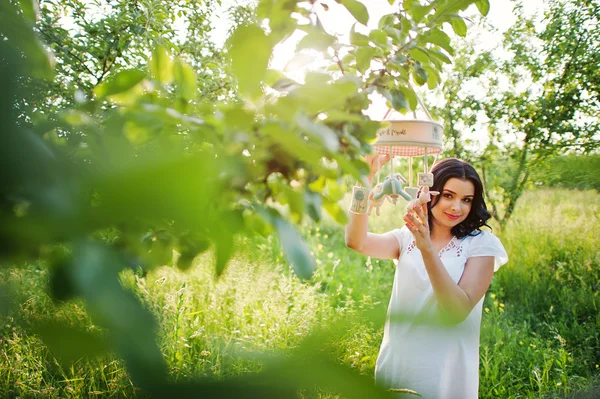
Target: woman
[445, 266]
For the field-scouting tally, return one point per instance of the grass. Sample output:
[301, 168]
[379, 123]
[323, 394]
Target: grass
[540, 328]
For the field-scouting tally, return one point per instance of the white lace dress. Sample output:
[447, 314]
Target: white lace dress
[439, 362]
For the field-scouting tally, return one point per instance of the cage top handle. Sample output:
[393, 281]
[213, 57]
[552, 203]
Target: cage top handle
[389, 110]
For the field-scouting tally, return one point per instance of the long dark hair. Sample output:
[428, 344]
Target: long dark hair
[478, 215]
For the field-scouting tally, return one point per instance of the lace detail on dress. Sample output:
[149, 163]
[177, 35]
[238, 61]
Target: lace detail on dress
[451, 246]
[411, 246]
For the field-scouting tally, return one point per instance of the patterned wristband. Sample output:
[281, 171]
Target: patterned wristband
[360, 198]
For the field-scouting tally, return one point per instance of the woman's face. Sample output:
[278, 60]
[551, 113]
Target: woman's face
[454, 205]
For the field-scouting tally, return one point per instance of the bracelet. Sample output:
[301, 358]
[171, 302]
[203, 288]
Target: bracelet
[360, 199]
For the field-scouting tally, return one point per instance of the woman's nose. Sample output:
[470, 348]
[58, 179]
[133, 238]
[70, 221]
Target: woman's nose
[455, 205]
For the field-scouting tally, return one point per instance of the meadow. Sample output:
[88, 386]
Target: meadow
[540, 329]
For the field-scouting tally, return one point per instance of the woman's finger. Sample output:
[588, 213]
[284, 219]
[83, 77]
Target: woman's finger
[413, 221]
[413, 229]
[416, 221]
[421, 214]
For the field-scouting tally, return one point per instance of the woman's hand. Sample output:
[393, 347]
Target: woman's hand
[375, 162]
[419, 227]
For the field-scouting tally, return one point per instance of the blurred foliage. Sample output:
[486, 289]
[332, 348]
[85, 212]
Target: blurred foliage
[570, 171]
[140, 148]
[540, 100]
[539, 337]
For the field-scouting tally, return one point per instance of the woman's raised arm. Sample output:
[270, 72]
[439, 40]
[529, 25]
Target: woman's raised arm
[382, 246]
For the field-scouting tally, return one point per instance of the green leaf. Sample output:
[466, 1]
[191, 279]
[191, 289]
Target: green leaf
[357, 171]
[420, 75]
[185, 78]
[440, 55]
[379, 37]
[295, 248]
[410, 96]
[292, 144]
[336, 212]
[459, 26]
[364, 55]
[317, 96]
[319, 132]
[433, 78]
[313, 203]
[255, 222]
[31, 9]
[249, 51]
[19, 33]
[483, 6]
[440, 38]
[418, 11]
[399, 59]
[358, 39]
[358, 10]
[136, 134]
[387, 21]
[131, 327]
[188, 249]
[122, 82]
[385, 93]
[285, 84]
[161, 66]
[319, 184]
[223, 252]
[419, 54]
[60, 282]
[295, 200]
[316, 39]
[334, 191]
[70, 344]
[405, 25]
[399, 102]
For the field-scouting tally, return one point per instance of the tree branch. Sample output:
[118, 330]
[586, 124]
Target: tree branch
[68, 52]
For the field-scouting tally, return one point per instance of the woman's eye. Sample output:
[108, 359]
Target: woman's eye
[446, 195]
[467, 200]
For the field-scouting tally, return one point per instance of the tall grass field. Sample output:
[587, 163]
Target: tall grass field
[540, 334]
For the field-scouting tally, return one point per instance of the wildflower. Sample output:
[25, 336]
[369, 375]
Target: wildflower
[318, 261]
[320, 247]
[493, 296]
[330, 255]
[487, 310]
[520, 342]
[325, 235]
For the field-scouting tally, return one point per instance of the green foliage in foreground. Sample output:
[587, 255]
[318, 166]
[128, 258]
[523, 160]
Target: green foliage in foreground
[540, 331]
[148, 159]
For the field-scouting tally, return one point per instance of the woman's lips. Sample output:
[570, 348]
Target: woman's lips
[452, 217]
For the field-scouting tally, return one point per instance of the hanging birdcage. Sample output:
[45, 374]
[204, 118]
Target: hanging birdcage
[408, 139]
